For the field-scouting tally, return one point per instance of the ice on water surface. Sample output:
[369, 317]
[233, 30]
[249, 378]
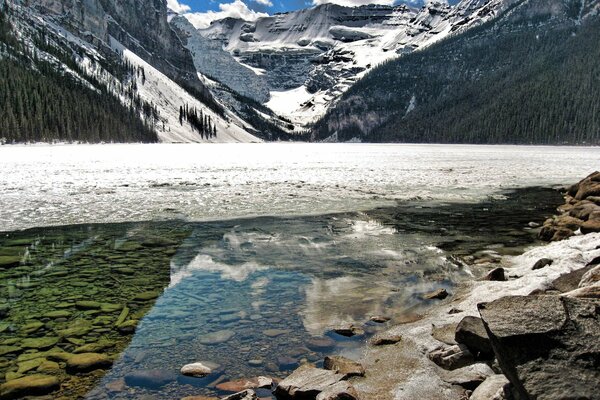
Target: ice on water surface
[64, 184]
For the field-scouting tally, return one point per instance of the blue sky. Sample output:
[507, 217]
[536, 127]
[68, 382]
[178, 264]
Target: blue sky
[202, 12]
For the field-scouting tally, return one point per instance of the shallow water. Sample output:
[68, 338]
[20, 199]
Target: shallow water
[250, 295]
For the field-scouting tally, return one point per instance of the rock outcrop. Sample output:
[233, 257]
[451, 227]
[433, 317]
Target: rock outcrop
[546, 345]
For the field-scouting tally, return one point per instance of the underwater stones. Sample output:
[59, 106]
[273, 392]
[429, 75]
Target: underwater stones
[343, 366]
[195, 369]
[146, 296]
[29, 385]
[48, 366]
[9, 261]
[10, 349]
[110, 307]
[275, 332]
[39, 343]
[94, 347]
[29, 365]
[88, 305]
[57, 314]
[76, 328]
[438, 294]
[86, 362]
[349, 330]
[320, 343]
[32, 327]
[128, 327]
[285, 363]
[217, 337]
[150, 378]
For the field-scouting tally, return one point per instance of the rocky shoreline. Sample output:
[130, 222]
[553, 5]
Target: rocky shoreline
[528, 329]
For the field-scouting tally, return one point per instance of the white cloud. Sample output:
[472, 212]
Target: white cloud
[354, 3]
[177, 6]
[265, 3]
[237, 9]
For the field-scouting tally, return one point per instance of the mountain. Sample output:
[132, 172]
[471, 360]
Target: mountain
[309, 57]
[104, 70]
[531, 75]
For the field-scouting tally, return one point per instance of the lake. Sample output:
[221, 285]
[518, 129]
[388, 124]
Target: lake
[246, 257]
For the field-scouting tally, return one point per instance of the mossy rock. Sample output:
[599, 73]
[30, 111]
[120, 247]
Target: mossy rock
[128, 327]
[9, 261]
[94, 347]
[146, 296]
[32, 327]
[64, 305]
[39, 343]
[10, 349]
[76, 341]
[58, 314]
[86, 362]
[110, 307]
[103, 320]
[29, 386]
[58, 355]
[30, 356]
[29, 365]
[88, 305]
[48, 366]
[11, 341]
[11, 375]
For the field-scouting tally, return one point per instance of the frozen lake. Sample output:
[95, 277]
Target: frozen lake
[45, 185]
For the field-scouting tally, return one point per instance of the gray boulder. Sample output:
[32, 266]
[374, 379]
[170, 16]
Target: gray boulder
[343, 366]
[307, 382]
[547, 346]
[452, 357]
[491, 389]
[471, 332]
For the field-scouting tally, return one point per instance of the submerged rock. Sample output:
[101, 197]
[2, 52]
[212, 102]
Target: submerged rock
[150, 378]
[39, 343]
[320, 344]
[29, 386]
[276, 332]
[344, 366]
[349, 330]
[216, 337]
[86, 362]
[545, 345]
[195, 369]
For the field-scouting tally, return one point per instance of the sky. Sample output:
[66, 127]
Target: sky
[202, 12]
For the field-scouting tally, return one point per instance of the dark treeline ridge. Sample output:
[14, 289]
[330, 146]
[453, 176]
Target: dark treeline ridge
[199, 122]
[39, 102]
[519, 79]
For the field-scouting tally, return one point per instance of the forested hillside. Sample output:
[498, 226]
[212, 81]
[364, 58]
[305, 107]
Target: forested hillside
[40, 102]
[530, 76]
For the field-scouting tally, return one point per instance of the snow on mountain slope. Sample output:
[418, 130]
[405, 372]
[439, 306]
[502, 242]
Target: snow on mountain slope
[325, 49]
[157, 89]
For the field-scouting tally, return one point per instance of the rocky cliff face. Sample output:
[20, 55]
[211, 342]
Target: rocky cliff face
[140, 25]
[325, 49]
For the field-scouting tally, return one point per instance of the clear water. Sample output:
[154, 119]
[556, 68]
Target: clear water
[223, 286]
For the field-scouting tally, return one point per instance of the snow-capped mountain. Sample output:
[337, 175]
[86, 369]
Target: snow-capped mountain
[308, 58]
[126, 50]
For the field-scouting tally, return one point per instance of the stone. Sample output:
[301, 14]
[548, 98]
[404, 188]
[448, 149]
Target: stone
[588, 292]
[543, 344]
[591, 277]
[32, 327]
[451, 357]
[150, 378]
[383, 339]
[380, 319]
[275, 332]
[94, 347]
[490, 389]
[146, 296]
[58, 314]
[9, 261]
[240, 385]
[48, 366]
[349, 330]
[243, 395]
[196, 369]
[86, 362]
[444, 333]
[439, 294]
[497, 274]
[344, 366]
[42, 343]
[29, 365]
[199, 398]
[307, 382]
[216, 337]
[339, 391]
[590, 226]
[589, 186]
[541, 263]
[88, 305]
[285, 363]
[471, 332]
[320, 344]
[128, 326]
[569, 281]
[29, 386]
[468, 377]
[10, 349]
[77, 328]
[116, 386]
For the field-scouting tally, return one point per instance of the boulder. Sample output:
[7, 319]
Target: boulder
[439, 294]
[86, 362]
[385, 338]
[343, 365]
[590, 226]
[307, 382]
[569, 281]
[591, 277]
[542, 263]
[150, 378]
[543, 344]
[490, 389]
[452, 357]
[588, 292]
[468, 377]
[471, 332]
[583, 209]
[497, 274]
[196, 369]
[29, 386]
